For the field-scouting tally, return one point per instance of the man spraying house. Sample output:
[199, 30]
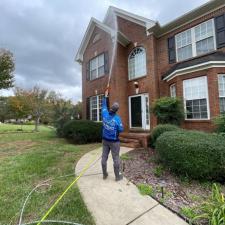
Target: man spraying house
[112, 127]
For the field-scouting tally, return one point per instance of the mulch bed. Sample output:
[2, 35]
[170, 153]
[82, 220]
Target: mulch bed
[141, 167]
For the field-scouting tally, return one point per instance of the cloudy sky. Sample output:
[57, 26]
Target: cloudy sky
[44, 35]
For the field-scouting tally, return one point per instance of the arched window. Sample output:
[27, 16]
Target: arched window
[137, 63]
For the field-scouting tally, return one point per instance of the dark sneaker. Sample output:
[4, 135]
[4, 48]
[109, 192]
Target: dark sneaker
[105, 176]
[120, 177]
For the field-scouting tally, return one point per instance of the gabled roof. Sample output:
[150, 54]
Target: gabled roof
[145, 22]
[216, 59]
[200, 11]
[121, 38]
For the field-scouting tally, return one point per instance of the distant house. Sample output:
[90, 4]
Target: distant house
[185, 58]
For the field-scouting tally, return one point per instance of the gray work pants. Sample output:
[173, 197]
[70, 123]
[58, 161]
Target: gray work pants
[114, 147]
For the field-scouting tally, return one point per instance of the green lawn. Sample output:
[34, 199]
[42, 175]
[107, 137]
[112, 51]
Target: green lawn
[15, 128]
[26, 159]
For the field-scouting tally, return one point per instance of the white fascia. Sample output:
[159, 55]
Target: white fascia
[195, 68]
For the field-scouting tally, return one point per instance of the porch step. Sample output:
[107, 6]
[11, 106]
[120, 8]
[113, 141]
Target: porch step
[134, 140]
[131, 144]
[128, 140]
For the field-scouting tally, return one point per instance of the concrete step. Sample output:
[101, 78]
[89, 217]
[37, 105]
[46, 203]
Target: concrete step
[131, 144]
[140, 139]
[128, 140]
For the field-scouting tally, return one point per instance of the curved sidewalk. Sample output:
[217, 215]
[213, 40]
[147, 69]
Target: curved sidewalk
[119, 203]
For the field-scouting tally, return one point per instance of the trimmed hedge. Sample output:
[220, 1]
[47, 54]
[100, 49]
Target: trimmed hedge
[194, 154]
[82, 131]
[160, 129]
[220, 123]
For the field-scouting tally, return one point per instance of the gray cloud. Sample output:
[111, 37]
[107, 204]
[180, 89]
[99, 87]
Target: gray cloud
[44, 35]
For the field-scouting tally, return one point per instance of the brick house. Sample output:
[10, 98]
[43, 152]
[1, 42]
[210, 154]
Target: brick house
[184, 58]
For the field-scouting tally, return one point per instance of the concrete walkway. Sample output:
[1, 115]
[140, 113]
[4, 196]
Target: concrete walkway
[119, 203]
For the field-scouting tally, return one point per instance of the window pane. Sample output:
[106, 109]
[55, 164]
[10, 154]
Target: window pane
[93, 64]
[196, 109]
[100, 97]
[222, 105]
[204, 30]
[221, 79]
[93, 74]
[101, 60]
[172, 90]
[184, 53]
[204, 46]
[94, 115]
[101, 71]
[137, 63]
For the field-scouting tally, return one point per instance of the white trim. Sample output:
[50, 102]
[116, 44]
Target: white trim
[143, 109]
[122, 39]
[207, 100]
[142, 21]
[191, 69]
[188, 21]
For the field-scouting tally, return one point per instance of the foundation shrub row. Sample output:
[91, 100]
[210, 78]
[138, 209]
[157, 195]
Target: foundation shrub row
[194, 154]
[82, 131]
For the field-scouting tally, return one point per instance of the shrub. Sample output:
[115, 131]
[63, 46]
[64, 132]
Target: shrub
[160, 129]
[220, 123]
[82, 131]
[194, 154]
[213, 210]
[169, 110]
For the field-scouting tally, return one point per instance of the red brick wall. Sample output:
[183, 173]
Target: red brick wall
[157, 64]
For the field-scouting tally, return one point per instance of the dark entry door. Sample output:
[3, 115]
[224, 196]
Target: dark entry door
[136, 111]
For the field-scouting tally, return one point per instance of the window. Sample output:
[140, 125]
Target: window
[96, 107]
[196, 41]
[137, 63]
[184, 45]
[221, 79]
[196, 98]
[97, 67]
[173, 90]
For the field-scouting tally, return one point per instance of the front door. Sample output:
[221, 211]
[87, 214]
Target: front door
[139, 111]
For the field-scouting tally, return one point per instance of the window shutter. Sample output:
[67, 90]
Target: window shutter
[88, 70]
[88, 108]
[171, 49]
[106, 62]
[220, 30]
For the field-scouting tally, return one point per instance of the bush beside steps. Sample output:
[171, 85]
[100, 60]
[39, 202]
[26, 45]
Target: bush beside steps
[160, 129]
[194, 154]
[82, 131]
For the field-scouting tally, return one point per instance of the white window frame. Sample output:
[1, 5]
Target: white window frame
[145, 111]
[193, 40]
[207, 100]
[97, 66]
[220, 96]
[173, 91]
[145, 61]
[98, 108]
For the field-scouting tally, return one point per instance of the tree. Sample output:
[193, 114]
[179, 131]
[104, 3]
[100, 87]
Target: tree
[4, 109]
[6, 69]
[78, 110]
[34, 102]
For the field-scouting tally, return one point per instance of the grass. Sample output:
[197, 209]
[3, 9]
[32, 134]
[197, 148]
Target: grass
[27, 159]
[145, 189]
[17, 128]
